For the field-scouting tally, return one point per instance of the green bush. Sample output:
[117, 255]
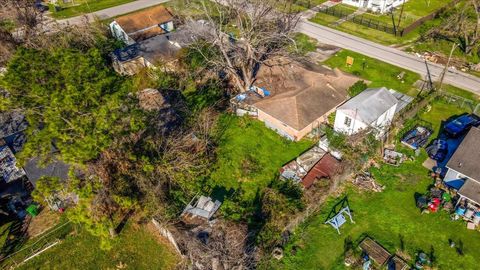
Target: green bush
[357, 88]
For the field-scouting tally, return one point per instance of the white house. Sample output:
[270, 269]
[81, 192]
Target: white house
[464, 168]
[141, 25]
[375, 5]
[372, 108]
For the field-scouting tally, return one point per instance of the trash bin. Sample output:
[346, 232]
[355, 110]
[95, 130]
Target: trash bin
[32, 210]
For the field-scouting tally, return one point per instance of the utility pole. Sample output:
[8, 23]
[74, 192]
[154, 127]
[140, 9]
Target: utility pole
[442, 76]
[401, 14]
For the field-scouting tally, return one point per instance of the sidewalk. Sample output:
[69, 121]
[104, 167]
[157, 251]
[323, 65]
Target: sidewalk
[112, 12]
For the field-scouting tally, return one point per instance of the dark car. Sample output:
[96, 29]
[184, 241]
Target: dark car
[438, 150]
[462, 124]
[40, 6]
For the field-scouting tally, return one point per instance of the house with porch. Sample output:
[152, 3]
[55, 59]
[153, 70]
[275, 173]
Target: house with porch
[464, 168]
[380, 6]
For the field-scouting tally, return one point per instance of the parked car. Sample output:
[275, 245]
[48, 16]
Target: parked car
[438, 150]
[462, 124]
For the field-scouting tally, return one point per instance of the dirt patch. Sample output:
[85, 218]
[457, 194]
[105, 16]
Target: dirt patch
[41, 223]
[160, 239]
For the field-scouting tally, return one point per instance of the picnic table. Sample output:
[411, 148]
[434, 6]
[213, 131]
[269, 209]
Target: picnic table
[375, 251]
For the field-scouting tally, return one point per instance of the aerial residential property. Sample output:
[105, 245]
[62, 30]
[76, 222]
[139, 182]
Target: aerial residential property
[240, 135]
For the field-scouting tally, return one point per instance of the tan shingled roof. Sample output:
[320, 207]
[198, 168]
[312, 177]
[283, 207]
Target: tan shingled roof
[145, 18]
[299, 95]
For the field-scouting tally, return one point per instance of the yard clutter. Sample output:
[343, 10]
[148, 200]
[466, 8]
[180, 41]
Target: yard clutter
[417, 137]
[365, 181]
[200, 208]
[392, 157]
[374, 256]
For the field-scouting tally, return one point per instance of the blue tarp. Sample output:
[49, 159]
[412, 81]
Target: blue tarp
[456, 184]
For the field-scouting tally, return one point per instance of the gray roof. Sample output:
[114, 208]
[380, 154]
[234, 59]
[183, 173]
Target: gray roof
[466, 158]
[471, 190]
[34, 169]
[403, 100]
[370, 104]
[8, 166]
[11, 123]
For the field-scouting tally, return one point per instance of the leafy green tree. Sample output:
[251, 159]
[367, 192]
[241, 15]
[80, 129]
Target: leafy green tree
[46, 187]
[71, 98]
[357, 88]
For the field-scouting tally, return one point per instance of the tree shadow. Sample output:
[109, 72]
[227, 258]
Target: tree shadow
[16, 237]
[124, 221]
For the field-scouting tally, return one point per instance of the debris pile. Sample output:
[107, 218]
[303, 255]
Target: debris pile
[364, 180]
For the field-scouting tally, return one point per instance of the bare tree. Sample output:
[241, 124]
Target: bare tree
[463, 27]
[244, 35]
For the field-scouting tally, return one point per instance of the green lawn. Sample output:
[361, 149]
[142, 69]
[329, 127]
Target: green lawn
[4, 229]
[376, 71]
[365, 32]
[414, 9]
[86, 6]
[135, 248]
[302, 5]
[440, 111]
[303, 44]
[249, 156]
[460, 92]
[388, 217]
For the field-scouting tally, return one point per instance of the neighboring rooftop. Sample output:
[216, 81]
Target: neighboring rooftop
[8, 166]
[11, 123]
[471, 190]
[301, 94]
[34, 169]
[370, 104]
[466, 159]
[327, 167]
[145, 22]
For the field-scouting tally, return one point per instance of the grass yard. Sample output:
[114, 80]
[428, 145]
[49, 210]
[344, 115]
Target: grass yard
[303, 44]
[85, 6]
[365, 32]
[249, 155]
[378, 72]
[443, 47]
[460, 92]
[413, 10]
[439, 112]
[134, 248]
[390, 217]
[302, 5]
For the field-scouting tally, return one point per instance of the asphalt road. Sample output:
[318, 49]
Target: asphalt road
[113, 11]
[389, 55]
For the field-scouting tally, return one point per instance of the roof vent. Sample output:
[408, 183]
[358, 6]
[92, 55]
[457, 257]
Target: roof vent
[459, 164]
